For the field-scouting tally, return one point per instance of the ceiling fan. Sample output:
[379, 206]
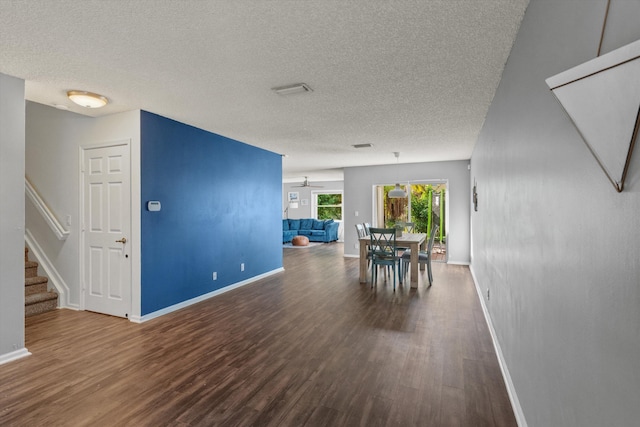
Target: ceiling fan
[306, 184]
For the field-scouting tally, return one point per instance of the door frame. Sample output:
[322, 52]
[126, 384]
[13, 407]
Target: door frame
[81, 235]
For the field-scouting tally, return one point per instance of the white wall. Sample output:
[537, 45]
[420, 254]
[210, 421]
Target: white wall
[555, 244]
[11, 218]
[53, 138]
[358, 195]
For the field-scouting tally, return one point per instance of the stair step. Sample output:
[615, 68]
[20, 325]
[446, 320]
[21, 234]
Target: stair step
[37, 298]
[40, 303]
[30, 269]
[35, 280]
[34, 285]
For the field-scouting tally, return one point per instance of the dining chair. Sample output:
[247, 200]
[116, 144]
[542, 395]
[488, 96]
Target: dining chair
[409, 228]
[367, 226]
[424, 257]
[384, 253]
[362, 233]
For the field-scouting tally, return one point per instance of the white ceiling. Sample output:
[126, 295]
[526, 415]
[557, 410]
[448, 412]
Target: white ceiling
[415, 77]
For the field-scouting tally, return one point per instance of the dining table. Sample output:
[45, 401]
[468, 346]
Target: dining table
[413, 241]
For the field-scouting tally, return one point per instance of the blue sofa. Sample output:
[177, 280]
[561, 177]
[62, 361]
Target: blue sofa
[315, 230]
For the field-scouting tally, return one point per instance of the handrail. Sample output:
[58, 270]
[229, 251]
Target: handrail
[60, 232]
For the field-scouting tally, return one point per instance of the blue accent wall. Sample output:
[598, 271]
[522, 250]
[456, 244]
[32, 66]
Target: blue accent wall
[221, 203]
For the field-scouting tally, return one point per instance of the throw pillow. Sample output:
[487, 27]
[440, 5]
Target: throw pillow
[306, 224]
[318, 225]
[285, 225]
[294, 224]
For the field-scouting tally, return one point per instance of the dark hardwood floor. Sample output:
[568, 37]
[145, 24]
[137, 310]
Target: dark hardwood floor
[307, 347]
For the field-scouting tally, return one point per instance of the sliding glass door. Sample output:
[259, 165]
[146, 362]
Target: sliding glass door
[425, 207]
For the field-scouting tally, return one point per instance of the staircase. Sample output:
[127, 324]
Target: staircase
[37, 298]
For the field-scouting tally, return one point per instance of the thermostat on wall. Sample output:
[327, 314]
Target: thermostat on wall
[153, 205]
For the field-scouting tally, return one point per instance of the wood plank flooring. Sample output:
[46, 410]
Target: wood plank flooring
[307, 347]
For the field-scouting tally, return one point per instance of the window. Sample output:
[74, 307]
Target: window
[329, 206]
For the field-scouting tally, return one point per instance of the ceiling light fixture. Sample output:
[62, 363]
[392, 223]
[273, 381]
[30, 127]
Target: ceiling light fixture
[292, 89]
[397, 193]
[87, 99]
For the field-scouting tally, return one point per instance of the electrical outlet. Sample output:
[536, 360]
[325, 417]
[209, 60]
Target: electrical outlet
[242, 267]
[215, 275]
[355, 246]
[488, 295]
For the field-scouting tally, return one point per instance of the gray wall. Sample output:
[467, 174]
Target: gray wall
[558, 248]
[305, 193]
[12, 119]
[358, 196]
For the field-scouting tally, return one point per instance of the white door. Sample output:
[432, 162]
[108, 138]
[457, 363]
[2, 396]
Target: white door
[107, 230]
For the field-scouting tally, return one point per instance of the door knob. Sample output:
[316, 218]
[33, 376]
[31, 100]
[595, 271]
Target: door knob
[123, 240]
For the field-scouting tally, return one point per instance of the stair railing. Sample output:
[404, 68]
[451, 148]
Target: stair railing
[60, 232]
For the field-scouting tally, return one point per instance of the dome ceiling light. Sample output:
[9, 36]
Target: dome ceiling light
[87, 99]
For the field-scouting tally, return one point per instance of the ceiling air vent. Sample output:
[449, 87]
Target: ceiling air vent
[292, 89]
[362, 145]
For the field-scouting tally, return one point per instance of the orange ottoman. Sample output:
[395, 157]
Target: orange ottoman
[300, 241]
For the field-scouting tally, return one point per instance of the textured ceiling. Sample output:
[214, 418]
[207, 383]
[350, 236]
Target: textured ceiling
[415, 77]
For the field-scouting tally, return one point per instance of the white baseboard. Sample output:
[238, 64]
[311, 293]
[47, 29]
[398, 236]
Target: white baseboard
[50, 271]
[183, 304]
[14, 355]
[513, 397]
[457, 262]
[351, 256]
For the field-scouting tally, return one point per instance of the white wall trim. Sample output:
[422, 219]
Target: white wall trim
[183, 304]
[14, 355]
[513, 397]
[351, 256]
[51, 220]
[456, 262]
[50, 271]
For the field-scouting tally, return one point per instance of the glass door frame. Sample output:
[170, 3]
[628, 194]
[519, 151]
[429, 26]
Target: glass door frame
[377, 208]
